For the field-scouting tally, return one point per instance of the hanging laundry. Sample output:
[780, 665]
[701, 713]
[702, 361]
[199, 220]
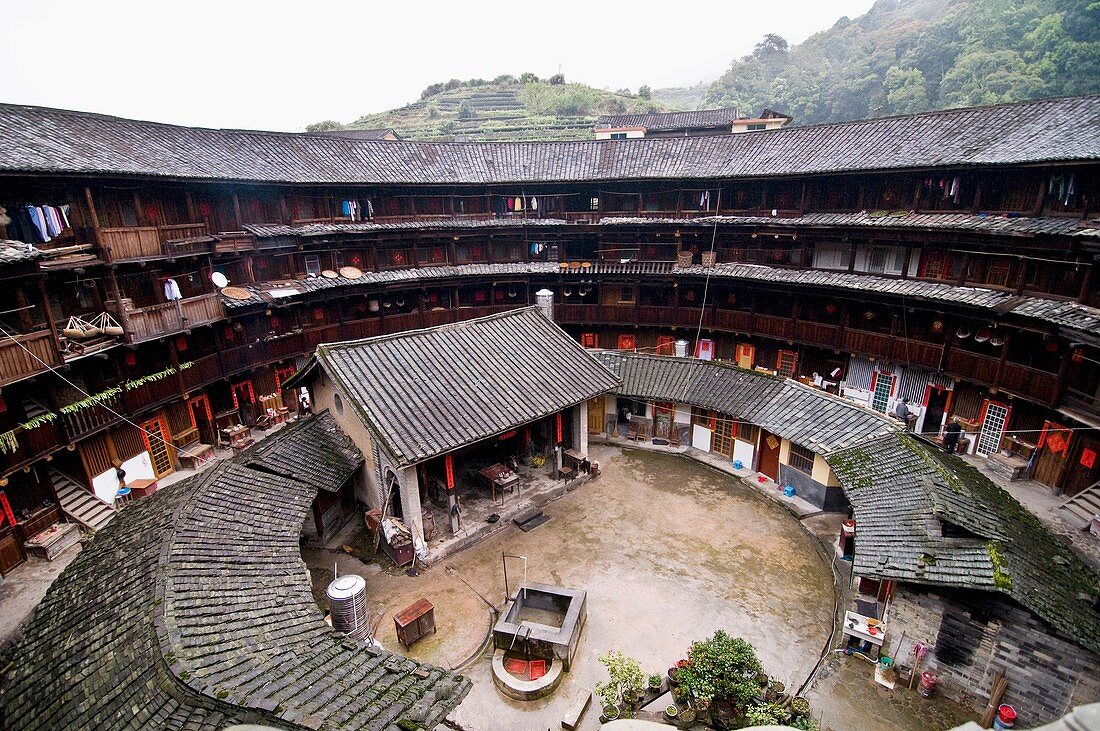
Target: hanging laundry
[955, 189]
[1070, 189]
[345, 208]
[510, 203]
[172, 290]
[519, 203]
[53, 220]
[534, 203]
[39, 221]
[370, 209]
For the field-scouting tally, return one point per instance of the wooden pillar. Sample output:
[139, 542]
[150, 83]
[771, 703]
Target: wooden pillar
[48, 314]
[916, 197]
[977, 198]
[237, 211]
[1022, 279]
[116, 294]
[283, 210]
[174, 358]
[852, 257]
[1086, 285]
[1001, 362]
[964, 271]
[192, 215]
[139, 212]
[906, 262]
[96, 231]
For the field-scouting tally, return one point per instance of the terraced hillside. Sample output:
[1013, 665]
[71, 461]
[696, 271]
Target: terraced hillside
[497, 111]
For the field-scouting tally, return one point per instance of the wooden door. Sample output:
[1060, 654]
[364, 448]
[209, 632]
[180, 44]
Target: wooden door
[662, 420]
[1052, 448]
[935, 406]
[11, 553]
[746, 356]
[1084, 464]
[767, 461]
[157, 440]
[596, 420]
[202, 417]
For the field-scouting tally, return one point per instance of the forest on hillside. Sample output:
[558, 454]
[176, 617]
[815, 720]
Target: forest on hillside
[908, 56]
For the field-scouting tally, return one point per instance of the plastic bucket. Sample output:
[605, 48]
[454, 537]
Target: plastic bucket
[738, 465]
[885, 662]
[788, 491]
[1006, 717]
[927, 684]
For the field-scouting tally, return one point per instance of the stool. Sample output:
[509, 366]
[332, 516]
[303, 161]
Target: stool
[122, 497]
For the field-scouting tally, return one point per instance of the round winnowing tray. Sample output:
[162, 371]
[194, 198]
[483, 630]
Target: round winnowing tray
[236, 293]
[329, 274]
[350, 272]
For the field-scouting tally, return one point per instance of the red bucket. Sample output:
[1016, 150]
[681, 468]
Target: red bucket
[927, 684]
[1006, 714]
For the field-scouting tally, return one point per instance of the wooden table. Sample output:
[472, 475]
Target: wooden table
[142, 488]
[197, 454]
[414, 621]
[497, 475]
[239, 436]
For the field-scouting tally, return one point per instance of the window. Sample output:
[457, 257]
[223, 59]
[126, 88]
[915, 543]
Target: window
[786, 363]
[747, 432]
[801, 459]
[338, 403]
[594, 203]
[882, 387]
[626, 295]
[313, 265]
[876, 260]
[618, 135]
[756, 127]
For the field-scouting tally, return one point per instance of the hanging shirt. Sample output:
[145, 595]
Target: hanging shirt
[39, 221]
[534, 204]
[53, 221]
[519, 203]
[171, 290]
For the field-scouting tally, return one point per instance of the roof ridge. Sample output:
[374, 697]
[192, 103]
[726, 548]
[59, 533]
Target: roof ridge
[457, 325]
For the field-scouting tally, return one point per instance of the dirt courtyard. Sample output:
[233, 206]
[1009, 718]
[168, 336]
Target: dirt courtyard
[668, 550]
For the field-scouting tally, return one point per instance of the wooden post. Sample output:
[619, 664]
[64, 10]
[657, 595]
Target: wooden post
[96, 231]
[139, 212]
[116, 294]
[1022, 282]
[852, 257]
[237, 210]
[192, 215]
[1086, 284]
[963, 271]
[283, 210]
[906, 262]
[1001, 362]
[916, 197]
[49, 319]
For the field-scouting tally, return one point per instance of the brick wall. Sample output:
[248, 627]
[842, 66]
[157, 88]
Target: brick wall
[975, 635]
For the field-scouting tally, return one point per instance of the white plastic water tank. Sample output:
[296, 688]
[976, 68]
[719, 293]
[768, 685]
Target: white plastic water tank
[681, 348]
[347, 599]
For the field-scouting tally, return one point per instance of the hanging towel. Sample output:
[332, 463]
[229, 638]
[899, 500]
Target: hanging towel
[53, 221]
[519, 203]
[345, 207]
[510, 203]
[534, 203]
[370, 209]
[955, 189]
[1070, 189]
[171, 290]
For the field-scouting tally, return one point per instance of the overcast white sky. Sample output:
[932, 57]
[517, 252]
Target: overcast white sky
[279, 65]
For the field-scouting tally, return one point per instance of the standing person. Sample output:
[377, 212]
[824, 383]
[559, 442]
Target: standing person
[951, 436]
[304, 409]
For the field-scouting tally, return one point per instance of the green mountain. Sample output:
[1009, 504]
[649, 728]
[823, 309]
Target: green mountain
[907, 56]
[506, 108]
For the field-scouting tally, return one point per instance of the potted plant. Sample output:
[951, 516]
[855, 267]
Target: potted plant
[627, 681]
[685, 718]
[608, 694]
[671, 711]
[655, 682]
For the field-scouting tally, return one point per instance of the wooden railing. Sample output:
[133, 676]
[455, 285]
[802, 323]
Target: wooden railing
[93, 418]
[233, 241]
[17, 363]
[162, 319]
[148, 242]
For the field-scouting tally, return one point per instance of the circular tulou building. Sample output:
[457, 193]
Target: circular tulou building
[767, 299]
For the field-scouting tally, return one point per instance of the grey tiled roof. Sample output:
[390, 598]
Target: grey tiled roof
[664, 121]
[315, 452]
[997, 225]
[16, 252]
[902, 491]
[360, 134]
[818, 421]
[192, 609]
[36, 139]
[428, 392]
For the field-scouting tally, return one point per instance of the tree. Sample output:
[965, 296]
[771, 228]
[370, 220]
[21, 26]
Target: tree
[771, 46]
[528, 78]
[557, 79]
[327, 126]
[906, 91]
[465, 111]
[644, 92]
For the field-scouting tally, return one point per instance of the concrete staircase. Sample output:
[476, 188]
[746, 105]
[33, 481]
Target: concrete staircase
[79, 503]
[1079, 509]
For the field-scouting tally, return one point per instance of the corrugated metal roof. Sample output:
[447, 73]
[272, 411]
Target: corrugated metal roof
[428, 392]
[57, 141]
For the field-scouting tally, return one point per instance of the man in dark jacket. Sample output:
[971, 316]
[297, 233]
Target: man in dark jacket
[951, 436]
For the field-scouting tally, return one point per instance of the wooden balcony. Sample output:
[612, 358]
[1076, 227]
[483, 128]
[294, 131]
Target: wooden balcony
[232, 242]
[152, 242]
[26, 356]
[147, 323]
[92, 419]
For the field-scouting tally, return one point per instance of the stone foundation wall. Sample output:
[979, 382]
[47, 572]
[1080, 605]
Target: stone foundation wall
[976, 634]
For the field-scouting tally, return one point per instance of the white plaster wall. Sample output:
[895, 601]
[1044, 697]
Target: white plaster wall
[367, 484]
[137, 468]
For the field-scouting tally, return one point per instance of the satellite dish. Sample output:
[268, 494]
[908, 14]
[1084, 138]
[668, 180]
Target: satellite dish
[219, 279]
